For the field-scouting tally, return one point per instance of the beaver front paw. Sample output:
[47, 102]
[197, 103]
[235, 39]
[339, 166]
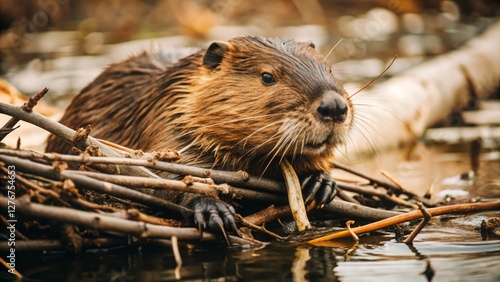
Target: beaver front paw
[214, 213]
[318, 188]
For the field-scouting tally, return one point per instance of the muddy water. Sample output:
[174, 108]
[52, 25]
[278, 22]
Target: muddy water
[450, 248]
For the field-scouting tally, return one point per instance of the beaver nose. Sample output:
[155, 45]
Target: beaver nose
[332, 107]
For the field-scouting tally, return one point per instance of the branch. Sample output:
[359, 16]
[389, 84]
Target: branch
[384, 184]
[462, 208]
[67, 134]
[27, 107]
[104, 222]
[99, 186]
[185, 185]
[230, 177]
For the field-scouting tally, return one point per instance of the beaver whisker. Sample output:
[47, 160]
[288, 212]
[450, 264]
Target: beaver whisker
[275, 149]
[222, 123]
[331, 50]
[290, 141]
[281, 133]
[193, 131]
[385, 111]
[245, 140]
[288, 128]
[273, 137]
[300, 134]
[359, 125]
[375, 78]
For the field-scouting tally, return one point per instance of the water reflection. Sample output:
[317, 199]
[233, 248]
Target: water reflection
[376, 259]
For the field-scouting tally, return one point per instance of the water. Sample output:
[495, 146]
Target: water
[382, 260]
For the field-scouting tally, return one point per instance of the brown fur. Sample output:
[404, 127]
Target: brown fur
[222, 117]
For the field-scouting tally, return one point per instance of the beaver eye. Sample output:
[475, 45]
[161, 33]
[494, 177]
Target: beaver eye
[267, 79]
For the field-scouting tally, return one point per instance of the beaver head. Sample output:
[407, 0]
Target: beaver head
[253, 100]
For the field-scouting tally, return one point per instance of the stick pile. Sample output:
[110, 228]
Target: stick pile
[98, 198]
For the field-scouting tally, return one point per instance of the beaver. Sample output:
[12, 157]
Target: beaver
[243, 104]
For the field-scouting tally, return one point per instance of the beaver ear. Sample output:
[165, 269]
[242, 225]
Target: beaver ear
[214, 54]
[311, 44]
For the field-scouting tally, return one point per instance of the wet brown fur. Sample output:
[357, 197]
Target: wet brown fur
[222, 117]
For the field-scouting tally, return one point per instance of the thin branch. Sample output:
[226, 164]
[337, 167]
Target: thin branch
[420, 226]
[104, 222]
[67, 134]
[15, 271]
[392, 179]
[99, 186]
[267, 215]
[99, 242]
[144, 182]
[372, 192]
[27, 107]
[387, 185]
[229, 177]
[462, 208]
[135, 215]
[353, 235]
[250, 225]
[350, 210]
[17, 232]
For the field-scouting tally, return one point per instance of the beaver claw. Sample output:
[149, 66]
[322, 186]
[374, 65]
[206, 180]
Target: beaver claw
[318, 188]
[214, 213]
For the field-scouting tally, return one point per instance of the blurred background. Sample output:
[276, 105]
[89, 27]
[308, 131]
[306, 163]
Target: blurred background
[64, 44]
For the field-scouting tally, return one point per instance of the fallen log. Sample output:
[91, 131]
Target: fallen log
[404, 106]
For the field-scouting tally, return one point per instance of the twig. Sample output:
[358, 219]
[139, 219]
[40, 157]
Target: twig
[15, 271]
[295, 200]
[166, 155]
[144, 182]
[372, 192]
[184, 186]
[17, 232]
[135, 215]
[356, 240]
[34, 245]
[27, 107]
[350, 210]
[353, 235]
[462, 208]
[392, 179]
[99, 186]
[346, 197]
[106, 223]
[267, 215]
[39, 190]
[93, 206]
[229, 177]
[99, 242]
[250, 225]
[420, 226]
[234, 191]
[371, 179]
[387, 185]
[67, 134]
[336, 207]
